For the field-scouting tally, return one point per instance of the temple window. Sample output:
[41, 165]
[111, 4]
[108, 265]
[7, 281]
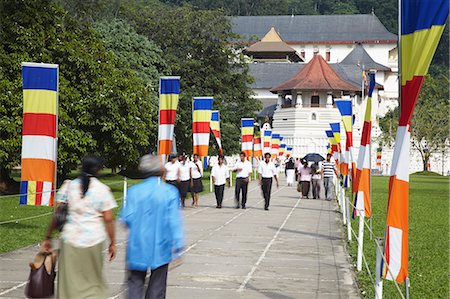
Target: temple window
[313, 116]
[315, 101]
[327, 55]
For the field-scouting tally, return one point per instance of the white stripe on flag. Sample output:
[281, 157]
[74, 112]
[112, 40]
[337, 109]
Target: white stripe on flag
[46, 193]
[38, 147]
[201, 138]
[363, 157]
[165, 132]
[360, 203]
[400, 159]
[395, 252]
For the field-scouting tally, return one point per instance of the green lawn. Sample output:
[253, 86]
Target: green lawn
[428, 237]
[16, 235]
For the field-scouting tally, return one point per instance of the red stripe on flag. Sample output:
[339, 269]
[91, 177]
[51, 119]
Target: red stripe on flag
[39, 124]
[410, 94]
[39, 188]
[200, 127]
[365, 138]
[247, 138]
[167, 117]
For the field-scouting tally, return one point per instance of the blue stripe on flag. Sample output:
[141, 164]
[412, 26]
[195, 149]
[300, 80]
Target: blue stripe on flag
[335, 127]
[169, 86]
[344, 106]
[203, 103]
[23, 192]
[215, 116]
[40, 78]
[247, 122]
[422, 14]
[329, 134]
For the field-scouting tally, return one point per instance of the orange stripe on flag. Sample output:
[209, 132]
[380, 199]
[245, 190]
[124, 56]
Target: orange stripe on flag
[165, 147]
[38, 170]
[201, 150]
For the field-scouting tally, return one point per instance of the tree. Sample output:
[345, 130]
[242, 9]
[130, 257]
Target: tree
[430, 123]
[102, 108]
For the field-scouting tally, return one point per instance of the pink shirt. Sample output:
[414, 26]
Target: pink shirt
[305, 173]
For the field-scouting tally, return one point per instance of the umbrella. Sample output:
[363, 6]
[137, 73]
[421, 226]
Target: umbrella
[313, 158]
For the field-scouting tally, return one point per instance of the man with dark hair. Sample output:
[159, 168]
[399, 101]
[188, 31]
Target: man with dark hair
[220, 175]
[243, 169]
[267, 172]
[328, 175]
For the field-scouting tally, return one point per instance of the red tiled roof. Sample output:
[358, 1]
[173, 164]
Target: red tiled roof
[316, 75]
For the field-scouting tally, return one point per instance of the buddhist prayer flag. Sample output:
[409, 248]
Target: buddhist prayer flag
[282, 147]
[215, 128]
[347, 165]
[328, 148]
[379, 151]
[257, 146]
[362, 185]
[275, 145]
[39, 143]
[422, 23]
[169, 91]
[201, 119]
[267, 141]
[336, 129]
[288, 151]
[331, 141]
[247, 128]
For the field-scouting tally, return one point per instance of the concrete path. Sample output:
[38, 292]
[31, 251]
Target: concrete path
[294, 250]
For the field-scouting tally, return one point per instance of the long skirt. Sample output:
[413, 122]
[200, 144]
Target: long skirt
[80, 272]
[305, 188]
[290, 173]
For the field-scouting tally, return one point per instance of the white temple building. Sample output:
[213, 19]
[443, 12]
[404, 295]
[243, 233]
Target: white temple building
[302, 63]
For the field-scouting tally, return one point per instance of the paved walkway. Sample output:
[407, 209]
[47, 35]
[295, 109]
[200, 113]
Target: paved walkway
[294, 250]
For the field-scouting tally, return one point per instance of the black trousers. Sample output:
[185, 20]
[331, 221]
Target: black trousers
[156, 285]
[266, 187]
[218, 190]
[241, 184]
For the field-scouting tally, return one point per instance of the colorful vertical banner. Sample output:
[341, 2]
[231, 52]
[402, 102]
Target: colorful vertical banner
[275, 145]
[336, 129]
[267, 139]
[282, 147]
[39, 130]
[379, 152]
[348, 167]
[362, 185]
[201, 119]
[422, 23]
[331, 142]
[288, 151]
[247, 129]
[215, 128]
[328, 148]
[169, 92]
[257, 146]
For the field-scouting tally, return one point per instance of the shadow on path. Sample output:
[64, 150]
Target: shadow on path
[316, 235]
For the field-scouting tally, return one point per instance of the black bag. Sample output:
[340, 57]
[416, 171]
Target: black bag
[41, 282]
[62, 209]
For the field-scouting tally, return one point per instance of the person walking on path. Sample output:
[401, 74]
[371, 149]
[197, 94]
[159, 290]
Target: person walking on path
[243, 169]
[220, 176]
[89, 221]
[185, 178]
[267, 171]
[296, 164]
[196, 179]
[304, 173]
[155, 231]
[290, 172]
[315, 180]
[172, 173]
[329, 170]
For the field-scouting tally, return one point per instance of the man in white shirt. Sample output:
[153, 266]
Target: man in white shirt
[243, 169]
[220, 176]
[172, 173]
[267, 171]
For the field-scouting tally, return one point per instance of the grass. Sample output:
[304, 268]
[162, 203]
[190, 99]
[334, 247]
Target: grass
[15, 235]
[428, 237]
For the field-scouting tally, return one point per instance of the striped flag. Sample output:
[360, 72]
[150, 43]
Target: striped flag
[328, 148]
[267, 141]
[288, 151]
[379, 151]
[282, 147]
[215, 128]
[362, 185]
[257, 146]
[331, 141]
[275, 145]
[422, 23]
[201, 119]
[348, 166]
[247, 128]
[336, 129]
[169, 92]
[39, 143]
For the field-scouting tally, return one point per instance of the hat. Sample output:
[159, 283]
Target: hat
[150, 165]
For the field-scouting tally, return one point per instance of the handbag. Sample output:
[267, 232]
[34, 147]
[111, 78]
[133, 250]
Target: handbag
[62, 209]
[41, 282]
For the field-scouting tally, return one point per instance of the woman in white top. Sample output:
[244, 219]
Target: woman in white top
[196, 179]
[185, 178]
[220, 176]
[172, 173]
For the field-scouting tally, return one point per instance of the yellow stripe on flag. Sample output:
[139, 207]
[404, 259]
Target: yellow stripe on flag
[347, 121]
[247, 131]
[368, 115]
[417, 50]
[31, 197]
[202, 115]
[39, 101]
[168, 101]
